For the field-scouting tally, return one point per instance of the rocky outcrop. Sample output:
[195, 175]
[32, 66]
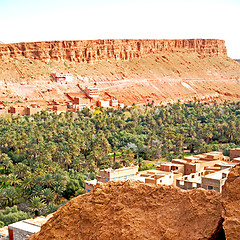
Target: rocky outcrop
[97, 50]
[134, 210]
[231, 205]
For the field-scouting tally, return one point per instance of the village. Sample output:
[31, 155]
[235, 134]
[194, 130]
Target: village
[85, 95]
[208, 171]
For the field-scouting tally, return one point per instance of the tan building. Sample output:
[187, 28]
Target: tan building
[211, 178]
[32, 110]
[92, 92]
[171, 167]
[103, 103]
[117, 174]
[236, 160]
[59, 108]
[190, 181]
[25, 228]
[110, 174]
[17, 110]
[198, 170]
[89, 185]
[159, 177]
[234, 153]
[197, 163]
[215, 181]
[114, 102]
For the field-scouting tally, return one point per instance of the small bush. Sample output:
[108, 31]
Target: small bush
[12, 215]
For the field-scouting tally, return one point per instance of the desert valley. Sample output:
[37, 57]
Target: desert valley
[119, 139]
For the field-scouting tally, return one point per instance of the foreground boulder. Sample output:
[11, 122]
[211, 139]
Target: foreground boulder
[231, 205]
[134, 210]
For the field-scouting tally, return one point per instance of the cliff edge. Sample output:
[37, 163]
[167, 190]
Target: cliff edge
[133, 71]
[231, 205]
[134, 210]
[119, 49]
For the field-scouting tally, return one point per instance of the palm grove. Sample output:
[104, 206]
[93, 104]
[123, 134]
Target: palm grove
[47, 157]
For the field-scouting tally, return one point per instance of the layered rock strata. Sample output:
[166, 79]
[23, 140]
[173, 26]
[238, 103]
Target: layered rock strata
[97, 50]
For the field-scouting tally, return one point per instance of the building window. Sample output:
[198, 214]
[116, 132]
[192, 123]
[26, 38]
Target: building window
[210, 187]
[176, 168]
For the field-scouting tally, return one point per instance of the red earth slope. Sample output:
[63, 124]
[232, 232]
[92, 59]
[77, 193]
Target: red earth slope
[133, 71]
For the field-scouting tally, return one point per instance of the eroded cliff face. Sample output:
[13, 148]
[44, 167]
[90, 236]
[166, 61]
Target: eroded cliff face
[97, 50]
[231, 205]
[132, 71]
[134, 210]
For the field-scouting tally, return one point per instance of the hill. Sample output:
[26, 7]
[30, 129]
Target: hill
[139, 71]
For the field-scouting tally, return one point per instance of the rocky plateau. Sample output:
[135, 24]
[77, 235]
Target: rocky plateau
[132, 71]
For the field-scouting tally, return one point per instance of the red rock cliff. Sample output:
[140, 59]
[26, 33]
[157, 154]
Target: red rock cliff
[97, 50]
[133, 210]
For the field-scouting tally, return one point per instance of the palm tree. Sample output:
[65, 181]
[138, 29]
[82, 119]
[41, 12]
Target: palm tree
[48, 195]
[13, 179]
[48, 180]
[27, 183]
[6, 162]
[10, 195]
[36, 204]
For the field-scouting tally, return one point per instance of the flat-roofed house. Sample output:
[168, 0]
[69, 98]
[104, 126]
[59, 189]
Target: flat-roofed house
[25, 228]
[234, 153]
[103, 103]
[215, 181]
[89, 185]
[117, 174]
[110, 174]
[92, 91]
[59, 108]
[17, 110]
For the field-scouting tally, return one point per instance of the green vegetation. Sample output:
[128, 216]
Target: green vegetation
[11, 215]
[46, 158]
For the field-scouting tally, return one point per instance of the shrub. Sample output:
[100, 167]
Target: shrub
[11, 215]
